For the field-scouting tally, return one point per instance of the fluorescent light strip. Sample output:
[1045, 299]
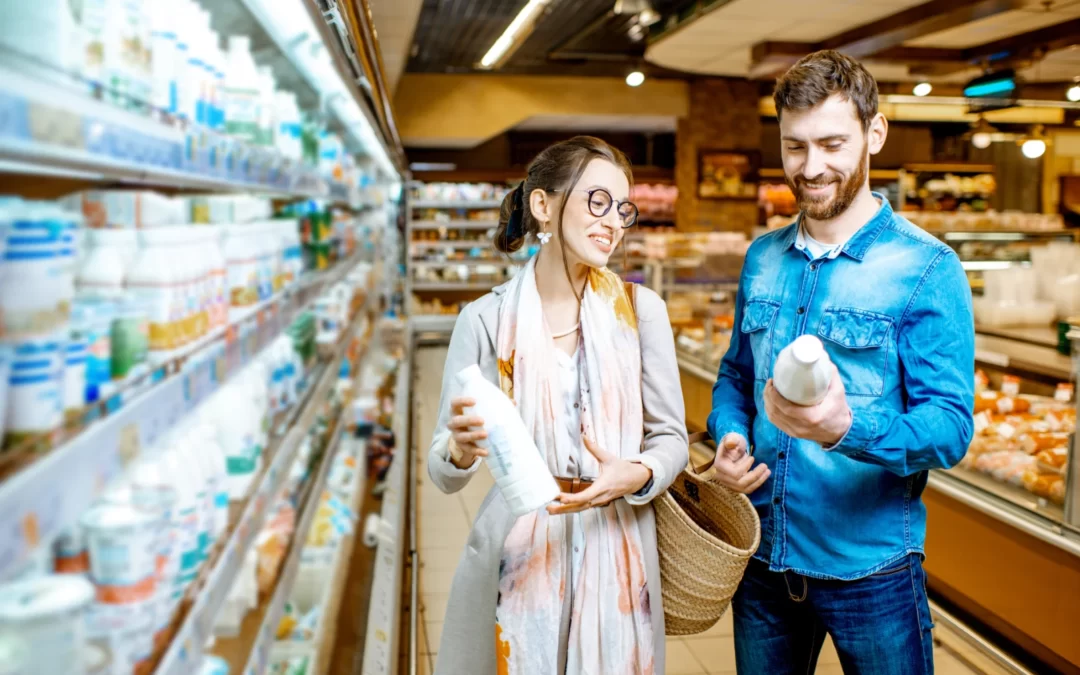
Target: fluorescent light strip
[988, 88]
[516, 30]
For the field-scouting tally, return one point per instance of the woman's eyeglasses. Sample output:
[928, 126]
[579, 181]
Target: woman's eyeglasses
[600, 203]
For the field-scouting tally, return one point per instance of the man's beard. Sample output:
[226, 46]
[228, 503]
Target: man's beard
[827, 208]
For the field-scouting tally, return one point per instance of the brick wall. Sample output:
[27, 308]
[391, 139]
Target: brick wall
[723, 115]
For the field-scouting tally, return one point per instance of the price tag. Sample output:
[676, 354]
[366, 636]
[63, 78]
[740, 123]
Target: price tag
[1064, 392]
[129, 444]
[31, 531]
[1010, 385]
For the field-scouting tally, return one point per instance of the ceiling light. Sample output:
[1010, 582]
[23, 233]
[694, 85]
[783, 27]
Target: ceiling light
[1073, 93]
[1033, 148]
[514, 33]
[635, 78]
[922, 89]
[637, 32]
[981, 140]
[648, 17]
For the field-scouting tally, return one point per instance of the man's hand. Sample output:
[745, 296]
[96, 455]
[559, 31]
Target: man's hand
[732, 466]
[618, 478]
[825, 423]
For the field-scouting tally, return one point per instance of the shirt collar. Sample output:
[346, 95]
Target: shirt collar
[860, 242]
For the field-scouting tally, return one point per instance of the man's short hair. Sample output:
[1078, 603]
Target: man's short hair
[818, 76]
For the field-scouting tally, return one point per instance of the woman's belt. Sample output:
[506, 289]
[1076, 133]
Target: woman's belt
[572, 486]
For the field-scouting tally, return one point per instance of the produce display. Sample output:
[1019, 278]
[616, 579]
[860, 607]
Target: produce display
[1022, 440]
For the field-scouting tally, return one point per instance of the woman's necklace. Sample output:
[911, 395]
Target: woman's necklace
[556, 336]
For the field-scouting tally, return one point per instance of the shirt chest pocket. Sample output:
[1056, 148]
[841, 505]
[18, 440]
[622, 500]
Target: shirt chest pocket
[858, 343]
[756, 327]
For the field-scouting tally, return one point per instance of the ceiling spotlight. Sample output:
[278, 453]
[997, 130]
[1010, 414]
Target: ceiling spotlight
[648, 17]
[1073, 93]
[922, 89]
[1033, 148]
[637, 32]
[981, 140]
[635, 78]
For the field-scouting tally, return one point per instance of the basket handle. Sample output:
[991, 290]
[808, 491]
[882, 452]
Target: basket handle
[702, 469]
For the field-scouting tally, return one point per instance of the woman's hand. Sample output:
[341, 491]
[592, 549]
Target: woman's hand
[618, 478]
[463, 448]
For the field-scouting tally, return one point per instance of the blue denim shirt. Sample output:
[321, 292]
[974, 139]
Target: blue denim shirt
[893, 309]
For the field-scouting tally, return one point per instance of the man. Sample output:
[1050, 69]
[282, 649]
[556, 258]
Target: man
[838, 485]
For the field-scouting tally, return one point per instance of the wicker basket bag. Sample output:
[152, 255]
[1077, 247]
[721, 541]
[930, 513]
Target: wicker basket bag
[706, 534]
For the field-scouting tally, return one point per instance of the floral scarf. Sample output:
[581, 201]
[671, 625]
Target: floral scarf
[610, 625]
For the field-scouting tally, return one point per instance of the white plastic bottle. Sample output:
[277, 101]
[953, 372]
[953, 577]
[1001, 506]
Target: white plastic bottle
[175, 466]
[520, 472]
[802, 371]
[164, 57]
[287, 126]
[216, 463]
[155, 279]
[235, 427]
[185, 91]
[218, 275]
[242, 92]
[267, 90]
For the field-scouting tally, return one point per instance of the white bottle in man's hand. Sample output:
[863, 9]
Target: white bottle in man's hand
[803, 371]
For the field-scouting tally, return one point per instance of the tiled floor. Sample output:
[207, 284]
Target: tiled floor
[444, 525]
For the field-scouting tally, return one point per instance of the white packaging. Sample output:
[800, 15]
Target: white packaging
[35, 399]
[125, 633]
[156, 281]
[121, 541]
[242, 93]
[288, 132]
[45, 615]
[110, 253]
[236, 427]
[131, 209]
[164, 57]
[802, 371]
[6, 356]
[74, 382]
[520, 472]
[243, 271]
[188, 521]
[42, 39]
[37, 280]
[267, 87]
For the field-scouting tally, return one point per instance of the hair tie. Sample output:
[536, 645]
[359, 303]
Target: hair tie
[515, 228]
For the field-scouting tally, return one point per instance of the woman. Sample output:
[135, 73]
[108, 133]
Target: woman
[573, 589]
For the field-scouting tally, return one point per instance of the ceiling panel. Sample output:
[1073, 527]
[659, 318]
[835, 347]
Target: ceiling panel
[394, 22]
[453, 35]
[637, 123]
[1033, 16]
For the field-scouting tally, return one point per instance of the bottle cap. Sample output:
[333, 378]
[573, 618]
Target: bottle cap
[807, 350]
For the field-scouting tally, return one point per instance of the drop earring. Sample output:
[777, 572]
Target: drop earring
[544, 237]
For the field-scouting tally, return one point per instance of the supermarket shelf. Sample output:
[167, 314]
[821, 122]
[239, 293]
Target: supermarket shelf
[947, 167]
[1005, 511]
[1003, 235]
[467, 245]
[989, 265]
[40, 500]
[1017, 355]
[471, 262]
[433, 323]
[249, 653]
[1040, 336]
[454, 225]
[46, 129]
[455, 204]
[197, 626]
[449, 287]
[384, 611]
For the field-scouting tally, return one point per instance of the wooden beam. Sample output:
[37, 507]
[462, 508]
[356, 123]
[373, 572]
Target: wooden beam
[1049, 39]
[925, 19]
[883, 39]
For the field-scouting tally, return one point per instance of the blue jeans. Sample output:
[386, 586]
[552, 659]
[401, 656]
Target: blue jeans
[880, 624]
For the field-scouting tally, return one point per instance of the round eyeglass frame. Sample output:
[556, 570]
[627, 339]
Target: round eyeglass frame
[611, 202]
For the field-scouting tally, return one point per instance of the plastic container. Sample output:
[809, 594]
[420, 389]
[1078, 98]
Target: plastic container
[74, 389]
[520, 472]
[69, 552]
[35, 399]
[95, 318]
[46, 615]
[103, 270]
[189, 518]
[37, 270]
[6, 355]
[156, 280]
[242, 92]
[129, 337]
[124, 633]
[241, 254]
[121, 541]
[45, 38]
[802, 371]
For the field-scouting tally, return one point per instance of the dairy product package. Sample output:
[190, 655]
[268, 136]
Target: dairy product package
[520, 472]
[802, 371]
[131, 209]
[44, 617]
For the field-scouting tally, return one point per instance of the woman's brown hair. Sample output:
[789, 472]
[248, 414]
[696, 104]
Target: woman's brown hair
[557, 169]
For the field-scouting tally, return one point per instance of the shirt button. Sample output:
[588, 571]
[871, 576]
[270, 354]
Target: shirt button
[800, 310]
[575, 406]
[813, 267]
[775, 500]
[782, 455]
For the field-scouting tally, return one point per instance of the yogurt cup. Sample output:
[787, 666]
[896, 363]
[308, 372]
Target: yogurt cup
[46, 617]
[70, 552]
[34, 395]
[125, 633]
[121, 540]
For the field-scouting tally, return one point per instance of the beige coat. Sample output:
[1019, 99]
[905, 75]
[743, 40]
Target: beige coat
[468, 635]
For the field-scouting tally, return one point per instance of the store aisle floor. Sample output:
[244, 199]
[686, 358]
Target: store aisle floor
[443, 527]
